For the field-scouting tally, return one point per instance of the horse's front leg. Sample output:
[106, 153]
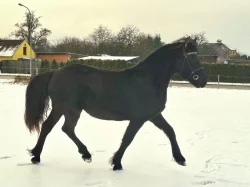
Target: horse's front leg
[133, 127]
[162, 124]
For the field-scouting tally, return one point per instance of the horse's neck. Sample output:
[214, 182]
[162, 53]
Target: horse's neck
[160, 66]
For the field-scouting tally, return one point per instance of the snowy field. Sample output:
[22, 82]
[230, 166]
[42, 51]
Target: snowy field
[212, 127]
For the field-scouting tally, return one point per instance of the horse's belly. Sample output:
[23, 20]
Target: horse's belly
[105, 115]
[104, 110]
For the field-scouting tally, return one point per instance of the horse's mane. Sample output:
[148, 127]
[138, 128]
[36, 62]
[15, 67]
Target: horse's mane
[182, 39]
[176, 43]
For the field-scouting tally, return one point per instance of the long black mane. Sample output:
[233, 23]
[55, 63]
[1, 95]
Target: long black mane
[169, 50]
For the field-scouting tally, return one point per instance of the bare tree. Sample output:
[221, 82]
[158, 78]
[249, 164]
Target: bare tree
[200, 37]
[126, 39]
[100, 37]
[74, 45]
[39, 38]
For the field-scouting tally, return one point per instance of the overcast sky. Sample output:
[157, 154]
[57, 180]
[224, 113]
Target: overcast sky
[228, 20]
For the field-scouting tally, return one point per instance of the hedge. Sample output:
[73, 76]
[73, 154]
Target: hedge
[227, 72]
[113, 65]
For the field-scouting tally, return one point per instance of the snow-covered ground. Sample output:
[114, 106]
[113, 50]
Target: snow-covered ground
[212, 127]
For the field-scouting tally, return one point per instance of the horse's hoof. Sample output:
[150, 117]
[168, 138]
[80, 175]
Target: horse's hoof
[182, 163]
[88, 160]
[117, 167]
[35, 160]
[180, 159]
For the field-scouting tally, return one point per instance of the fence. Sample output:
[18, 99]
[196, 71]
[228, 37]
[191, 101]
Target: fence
[220, 79]
[222, 71]
[20, 67]
[23, 67]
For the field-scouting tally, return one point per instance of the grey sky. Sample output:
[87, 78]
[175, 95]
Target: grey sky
[220, 19]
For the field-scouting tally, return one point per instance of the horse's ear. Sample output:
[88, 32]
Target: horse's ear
[187, 41]
[195, 39]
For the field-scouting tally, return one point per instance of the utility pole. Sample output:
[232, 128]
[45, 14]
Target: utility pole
[30, 33]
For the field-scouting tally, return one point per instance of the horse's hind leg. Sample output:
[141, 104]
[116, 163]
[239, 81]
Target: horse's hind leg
[133, 127]
[71, 119]
[47, 126]
[162, 124]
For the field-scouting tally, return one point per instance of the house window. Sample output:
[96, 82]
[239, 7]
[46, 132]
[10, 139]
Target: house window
[25, 50]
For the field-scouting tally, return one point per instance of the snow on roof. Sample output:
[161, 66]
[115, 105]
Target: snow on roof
[107, 57]
[230, 47]
[8, 47]
[8, 52]
[218, 44]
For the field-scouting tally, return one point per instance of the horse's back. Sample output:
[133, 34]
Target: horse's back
[85, 87]
[104, 94]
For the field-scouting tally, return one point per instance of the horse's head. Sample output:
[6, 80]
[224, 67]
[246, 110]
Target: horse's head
[189, 65]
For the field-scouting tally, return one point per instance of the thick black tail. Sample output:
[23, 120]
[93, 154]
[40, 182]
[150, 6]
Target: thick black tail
[37, 101]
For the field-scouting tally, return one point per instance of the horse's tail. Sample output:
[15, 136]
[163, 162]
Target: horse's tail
[37, 101]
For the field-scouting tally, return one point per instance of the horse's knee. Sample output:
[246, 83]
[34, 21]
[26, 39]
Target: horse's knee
[65, 129]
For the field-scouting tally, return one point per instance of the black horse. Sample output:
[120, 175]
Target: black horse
[136, 94]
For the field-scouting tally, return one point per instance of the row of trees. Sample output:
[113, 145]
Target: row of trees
[129, 40]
